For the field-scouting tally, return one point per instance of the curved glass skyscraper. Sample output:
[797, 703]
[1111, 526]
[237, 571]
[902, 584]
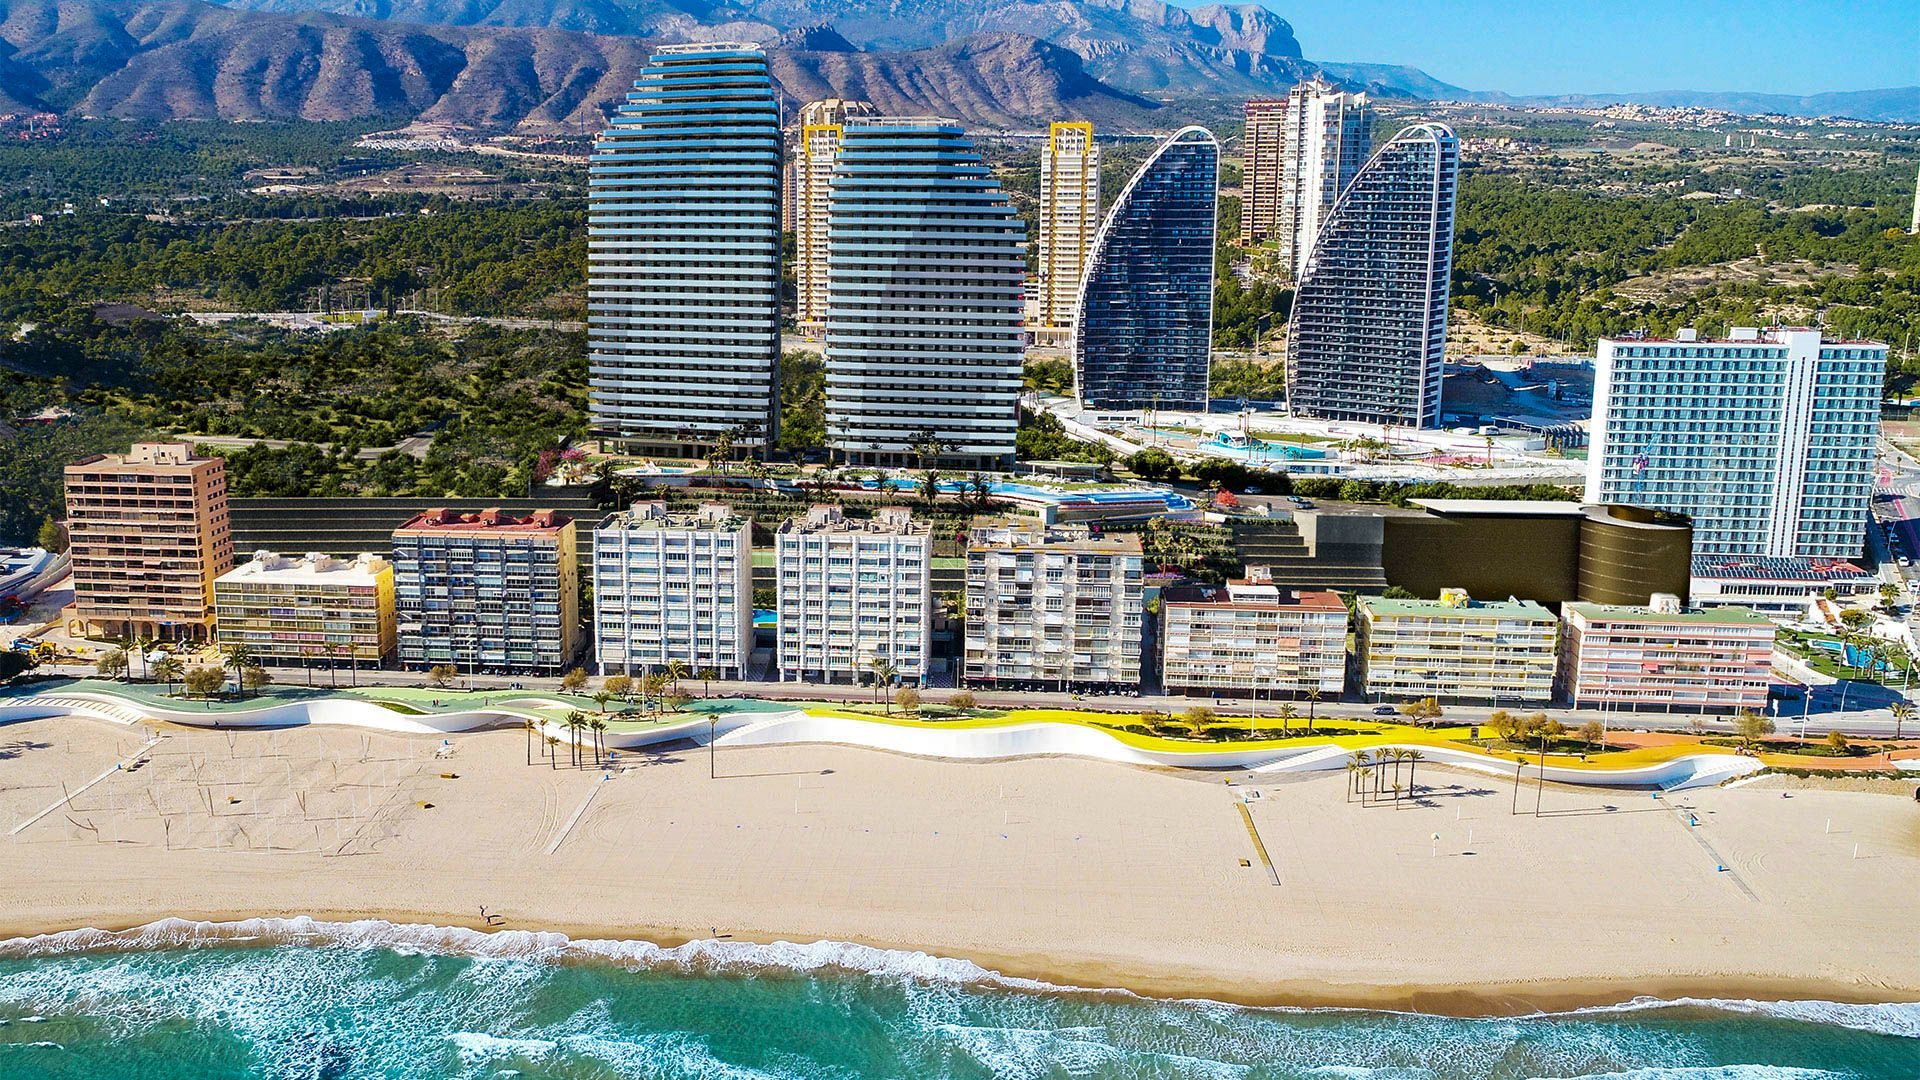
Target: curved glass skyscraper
[926, 274]
[1368, 334]
[1143, 324]
[683, 254]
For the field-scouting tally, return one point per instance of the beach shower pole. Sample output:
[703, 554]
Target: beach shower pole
[713, 728]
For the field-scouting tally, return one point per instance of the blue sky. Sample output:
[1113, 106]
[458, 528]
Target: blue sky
[1581, 46]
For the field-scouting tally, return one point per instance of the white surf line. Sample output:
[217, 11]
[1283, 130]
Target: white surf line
[71, 795]
[567, 829]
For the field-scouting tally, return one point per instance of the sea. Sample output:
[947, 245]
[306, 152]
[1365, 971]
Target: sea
[296, 998]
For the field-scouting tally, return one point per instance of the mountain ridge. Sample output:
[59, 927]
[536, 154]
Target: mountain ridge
[184, 59]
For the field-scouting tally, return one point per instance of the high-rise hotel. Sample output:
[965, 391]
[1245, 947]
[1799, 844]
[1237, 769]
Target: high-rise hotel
[683, 254]
[1765, 438]
[822, 125]
[1143, 331]
[926, 278]
[1069, 217]
[1367, 339]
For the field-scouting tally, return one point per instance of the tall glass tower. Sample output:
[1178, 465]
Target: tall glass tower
[926, 273]
[1143, 325]
[1368, 334]
[683, 255]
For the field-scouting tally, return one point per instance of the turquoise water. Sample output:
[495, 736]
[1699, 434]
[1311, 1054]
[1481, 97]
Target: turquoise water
[372, 1000]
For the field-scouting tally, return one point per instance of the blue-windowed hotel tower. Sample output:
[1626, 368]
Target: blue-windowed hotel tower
[683, 255]
[1143, 324]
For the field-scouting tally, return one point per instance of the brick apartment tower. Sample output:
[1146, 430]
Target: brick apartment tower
[148, 533]
[1262, 177]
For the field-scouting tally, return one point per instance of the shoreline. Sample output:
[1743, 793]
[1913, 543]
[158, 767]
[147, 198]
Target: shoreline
[1013, 973]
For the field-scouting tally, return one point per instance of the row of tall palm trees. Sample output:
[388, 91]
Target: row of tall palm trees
[1368, 776]
[170, 669]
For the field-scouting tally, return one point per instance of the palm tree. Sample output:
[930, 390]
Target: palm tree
[141, 644]
[601, 697]
[1287, 715]
[1313, 698]
[1902, 712]
[676, 670]
[883, 673]
[238, 657]
[1414, 758]
[1356, 761]
[576, 721]
[169, 669]
[599, 725]
[1352, 770]
[707, 675]
[528, 725]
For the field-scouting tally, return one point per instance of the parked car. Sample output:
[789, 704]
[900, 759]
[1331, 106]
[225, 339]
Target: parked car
[1385, 710]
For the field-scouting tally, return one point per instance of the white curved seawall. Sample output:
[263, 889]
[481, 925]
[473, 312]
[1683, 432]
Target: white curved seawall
[1037, 739]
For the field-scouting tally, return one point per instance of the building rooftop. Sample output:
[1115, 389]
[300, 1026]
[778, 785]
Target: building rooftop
[654, 516]
[157, 454]
[829, 518]
[1723, 616]
[1743, 335]
[491, 520]
[1252, 596]
[1775, 568]
[1069, 537]
[1458, 607]
[309, 569]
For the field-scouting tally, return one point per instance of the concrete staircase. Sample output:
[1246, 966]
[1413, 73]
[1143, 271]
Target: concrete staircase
[1278, 545]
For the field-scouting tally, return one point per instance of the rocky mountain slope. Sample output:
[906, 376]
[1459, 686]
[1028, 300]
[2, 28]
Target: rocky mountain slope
[177, 59]
[1139, 45]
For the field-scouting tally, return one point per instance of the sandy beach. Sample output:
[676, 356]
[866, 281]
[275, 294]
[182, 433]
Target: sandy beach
[1075, 872]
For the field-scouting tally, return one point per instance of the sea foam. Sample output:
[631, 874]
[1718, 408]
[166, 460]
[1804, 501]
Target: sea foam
[742, 957]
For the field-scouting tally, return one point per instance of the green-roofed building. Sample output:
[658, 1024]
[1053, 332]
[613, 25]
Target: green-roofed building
[1456, 649]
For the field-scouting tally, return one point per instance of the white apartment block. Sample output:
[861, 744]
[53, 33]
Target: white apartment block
[673, 586]
[1329, 135]
[1766, 439]
[1251, 636]
[1456, 649]
[1053, 607]
[853, 593]
[1665, 657]
[1069, 218]
[822, 124]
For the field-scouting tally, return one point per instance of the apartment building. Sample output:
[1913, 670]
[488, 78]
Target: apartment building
[673, 586]
[1055, 607]
[926, 286]
[1262, 175]
[148, 533]
[487, 591]
[1367, 338]
[1456, 649]
[1069, 216]
[1665, 657]
[1251, 636]
[1778, 586]
[822, 125]
[1143, 331]
[1328, 136]
[1765, 438]
[852, 594]
[683, 255]
[312, 608]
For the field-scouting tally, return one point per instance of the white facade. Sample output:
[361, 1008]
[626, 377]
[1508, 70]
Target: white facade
[1766, 439]
[1328, 137]
[1457, 648]
[822, 124]
[1053, 605]
[671, 587]
[1253, 636]
[852, 593]
[1069, 217]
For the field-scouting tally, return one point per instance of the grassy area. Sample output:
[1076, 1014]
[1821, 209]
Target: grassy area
[1828, 663]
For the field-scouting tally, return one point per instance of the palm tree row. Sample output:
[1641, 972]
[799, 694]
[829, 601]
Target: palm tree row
[1367, 774]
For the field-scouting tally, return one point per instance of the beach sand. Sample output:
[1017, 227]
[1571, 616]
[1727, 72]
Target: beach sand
[1075, 872]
